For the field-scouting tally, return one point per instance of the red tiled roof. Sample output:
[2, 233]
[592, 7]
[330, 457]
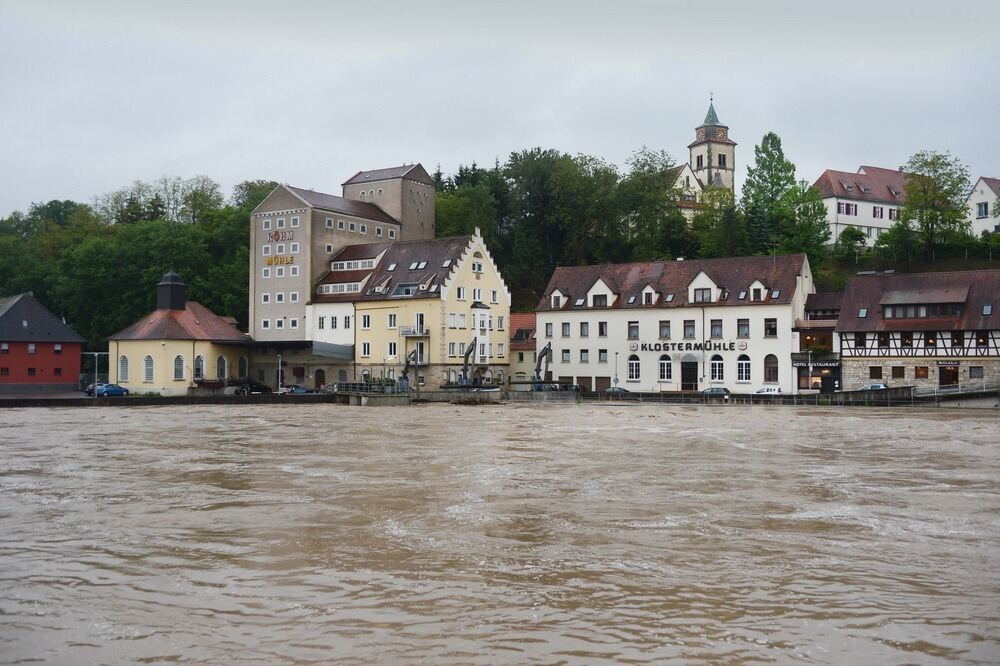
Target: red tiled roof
[194, 322]
[734, 274]
[523, 322]
[868, 184]
[829, 300]
[870, 291]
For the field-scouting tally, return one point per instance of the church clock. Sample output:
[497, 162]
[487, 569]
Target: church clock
[720, 133]
[700, 135]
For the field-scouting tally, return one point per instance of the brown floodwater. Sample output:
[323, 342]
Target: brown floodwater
[499, 535]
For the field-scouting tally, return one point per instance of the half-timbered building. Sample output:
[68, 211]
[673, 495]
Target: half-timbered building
[920, 329]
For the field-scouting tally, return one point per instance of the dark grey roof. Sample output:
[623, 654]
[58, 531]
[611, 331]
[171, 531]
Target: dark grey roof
[337, 204]
[408, 171]
[24, 319]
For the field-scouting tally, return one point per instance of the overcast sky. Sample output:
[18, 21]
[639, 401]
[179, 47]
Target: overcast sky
[97, 94]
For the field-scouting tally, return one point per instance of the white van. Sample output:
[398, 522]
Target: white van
[768, 390]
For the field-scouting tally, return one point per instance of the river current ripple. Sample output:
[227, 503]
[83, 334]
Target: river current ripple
[499, 535]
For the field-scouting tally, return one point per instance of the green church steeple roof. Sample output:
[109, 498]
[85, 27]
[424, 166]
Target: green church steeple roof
[711, 118]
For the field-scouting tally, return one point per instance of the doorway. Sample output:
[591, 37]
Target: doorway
[320, 378]
[689, 375]
[948, 375]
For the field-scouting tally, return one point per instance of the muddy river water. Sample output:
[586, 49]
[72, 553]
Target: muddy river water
[499, 535]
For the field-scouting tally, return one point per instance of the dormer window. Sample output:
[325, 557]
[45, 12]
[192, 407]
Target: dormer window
[601, 301]
[647, 298]
[703, 295]
[556, 301]
[724, 295]
[756, 295]
[862, 313]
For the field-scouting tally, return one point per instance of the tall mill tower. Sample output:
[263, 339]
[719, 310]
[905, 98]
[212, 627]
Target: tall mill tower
[713, 153]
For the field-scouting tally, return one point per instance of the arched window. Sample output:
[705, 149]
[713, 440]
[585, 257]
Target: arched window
[364, 376]
[199, 367]
[220, 367]
[743, 368]
[770, 369]
[178, 367]
[244, 370]
[499, 376]
[633, 367]
[452, 377]
[717, 371]
[147, 368]
[123, 369]
[342, 375]
[666, 368]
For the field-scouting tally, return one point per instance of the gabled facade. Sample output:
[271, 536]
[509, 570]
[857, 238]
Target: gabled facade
[676, 326]
[982, 205]
[921, 329]
[869, 200]
[179, 347]
[38, 352]
[522, 349]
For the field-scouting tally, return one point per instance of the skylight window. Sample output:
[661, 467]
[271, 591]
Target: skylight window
[422, 264]
[413, 266]
[434, 288]
[776, 293]
[987, 310]
[669, 298]
[580, 301]
[862, 313]
[724, 295]
[631, 300]
[742, 296]
[446, 264]
[392, 267]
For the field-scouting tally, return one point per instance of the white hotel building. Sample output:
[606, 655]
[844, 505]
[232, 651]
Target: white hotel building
[676, 325]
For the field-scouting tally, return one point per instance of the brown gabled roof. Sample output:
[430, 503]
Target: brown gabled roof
[733, 274]
[829, 300]
[336, 204]
[194, 322]
[24, 319]
[868, 184]
[415, 172]
[403, 254]
[974, 289]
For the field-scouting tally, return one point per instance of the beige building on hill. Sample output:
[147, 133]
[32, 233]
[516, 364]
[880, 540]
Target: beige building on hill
[179, 347]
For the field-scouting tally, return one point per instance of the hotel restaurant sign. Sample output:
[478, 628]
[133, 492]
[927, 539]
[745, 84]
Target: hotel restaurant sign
[707, 345]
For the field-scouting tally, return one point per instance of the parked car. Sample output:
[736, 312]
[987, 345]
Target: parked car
[768, 390]
[874, 386]
[248, 388]
[716, 392]
[293, 389]
[111, 390]
[615, 390]
[90, 388]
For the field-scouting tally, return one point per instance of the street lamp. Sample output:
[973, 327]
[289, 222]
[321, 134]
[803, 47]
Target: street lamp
[616, 368]
[810, 353]
[279, 372]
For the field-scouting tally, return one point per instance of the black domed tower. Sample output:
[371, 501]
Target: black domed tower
[171, 293]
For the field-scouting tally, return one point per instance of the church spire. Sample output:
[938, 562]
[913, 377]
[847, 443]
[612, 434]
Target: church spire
[711, 118]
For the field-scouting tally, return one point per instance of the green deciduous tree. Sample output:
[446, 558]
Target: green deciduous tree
[937, 186]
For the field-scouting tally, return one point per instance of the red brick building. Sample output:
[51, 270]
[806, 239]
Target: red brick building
[38, 352]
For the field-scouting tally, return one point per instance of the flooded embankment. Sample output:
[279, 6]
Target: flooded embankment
[510, 534]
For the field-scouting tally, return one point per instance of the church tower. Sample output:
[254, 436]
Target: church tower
[713, 153]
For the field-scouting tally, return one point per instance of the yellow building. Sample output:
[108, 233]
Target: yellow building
[432, 298]
[179, 347]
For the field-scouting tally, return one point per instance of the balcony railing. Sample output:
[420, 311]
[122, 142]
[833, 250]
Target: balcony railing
[414, 332]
